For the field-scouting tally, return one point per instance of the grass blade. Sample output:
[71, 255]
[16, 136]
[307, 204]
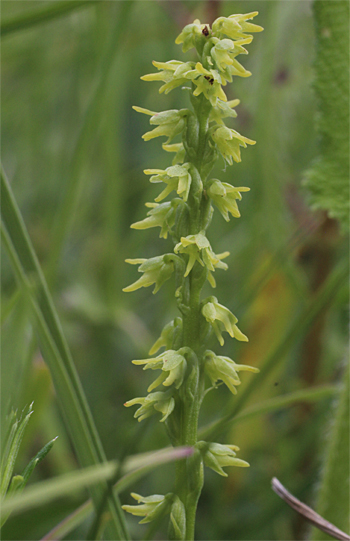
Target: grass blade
[55, 349]
[285, 401]
[47, 13]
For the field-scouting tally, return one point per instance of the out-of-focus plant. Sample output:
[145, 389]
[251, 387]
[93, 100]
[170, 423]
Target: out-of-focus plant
[186, 362]
[13, 484]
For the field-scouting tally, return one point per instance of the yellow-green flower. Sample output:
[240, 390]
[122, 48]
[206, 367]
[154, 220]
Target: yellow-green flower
[156, 270]
[177, 178]
[198, 248]
[173, 366]
[220, 368]
[159, 401]
[228, 142]
[224, 196]
[151, 507]
[217, 456]
[161, 215]
[222, 110]
[173, 73]
[190, 33]
[216, 314]
[224, 55]
[209, 83]
[169, 123]
[167, 335]
[236, 26]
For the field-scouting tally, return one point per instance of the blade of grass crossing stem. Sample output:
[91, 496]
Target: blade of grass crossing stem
[297, 330]
[74, 181]
[55, 349]
[280, 402]
[37, 16]
[150, 461]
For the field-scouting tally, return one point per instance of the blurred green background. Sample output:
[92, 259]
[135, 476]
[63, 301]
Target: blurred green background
[72, 149]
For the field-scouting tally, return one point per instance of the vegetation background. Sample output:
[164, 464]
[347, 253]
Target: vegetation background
[72, 148]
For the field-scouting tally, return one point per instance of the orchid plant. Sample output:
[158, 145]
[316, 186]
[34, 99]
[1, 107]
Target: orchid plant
[187, 367]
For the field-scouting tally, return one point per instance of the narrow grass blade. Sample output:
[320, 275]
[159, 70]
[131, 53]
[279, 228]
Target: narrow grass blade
[296, 332]
[55, 349]
[89, 123]
[38, 16]
[306, 395]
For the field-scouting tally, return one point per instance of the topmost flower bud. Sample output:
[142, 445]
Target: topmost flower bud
[190, 33]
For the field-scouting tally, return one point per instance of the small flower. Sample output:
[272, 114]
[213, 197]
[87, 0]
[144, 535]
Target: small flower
[224, 196]
[153, 507]
[167, 335]
[209, 83]
[173, 366]
[222, 110]
[156, 270]
[217, 456]
[224, 55]
[198, 248]
[189, 34]
[169, 123]
[235, 26]
[173, 73]
[214, 313]
[228, 142]
[161, 215]
[225, 369]
[177, 177]
[159, 401]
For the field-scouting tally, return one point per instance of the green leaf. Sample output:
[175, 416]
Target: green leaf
[333, 502]
[33, 463]
[328, 178]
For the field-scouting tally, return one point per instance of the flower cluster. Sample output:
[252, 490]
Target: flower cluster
[186, 366]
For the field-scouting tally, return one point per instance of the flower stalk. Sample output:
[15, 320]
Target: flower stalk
[187, 365]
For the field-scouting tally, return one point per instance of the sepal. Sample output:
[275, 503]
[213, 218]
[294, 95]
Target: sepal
[225, 369]
[217, 315]
[217, 456]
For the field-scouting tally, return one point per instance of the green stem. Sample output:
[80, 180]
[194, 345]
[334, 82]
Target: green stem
[189, 473]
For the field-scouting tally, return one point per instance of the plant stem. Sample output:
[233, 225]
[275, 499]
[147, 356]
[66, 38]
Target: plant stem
[189, 472]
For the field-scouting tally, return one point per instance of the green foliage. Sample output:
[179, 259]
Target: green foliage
[73, 152]
[328, 179]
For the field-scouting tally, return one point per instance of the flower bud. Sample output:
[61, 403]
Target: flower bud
[177, 520]
[167, 336]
